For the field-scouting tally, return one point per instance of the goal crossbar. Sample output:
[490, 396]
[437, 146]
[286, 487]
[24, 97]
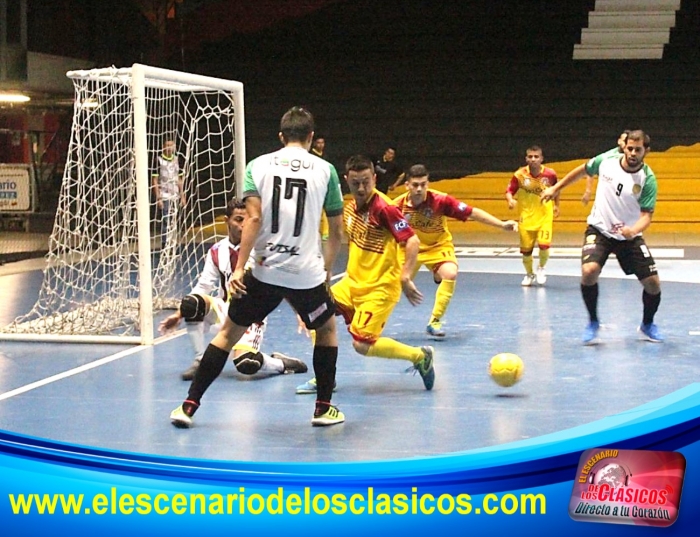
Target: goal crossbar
[120, 117]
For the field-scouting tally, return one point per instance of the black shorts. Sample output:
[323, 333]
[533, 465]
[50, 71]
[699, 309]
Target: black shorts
[315, 306]
[633, 255]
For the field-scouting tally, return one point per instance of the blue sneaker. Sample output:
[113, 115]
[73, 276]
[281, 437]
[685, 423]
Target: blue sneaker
[434, 329]
[309, 387]
[590, 334]
[650, 332]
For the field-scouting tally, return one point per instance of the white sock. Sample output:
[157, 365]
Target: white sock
[271, 365]
[196, 333]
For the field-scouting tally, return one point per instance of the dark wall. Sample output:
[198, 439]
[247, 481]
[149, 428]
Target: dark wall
[108, 33]
[461, 85]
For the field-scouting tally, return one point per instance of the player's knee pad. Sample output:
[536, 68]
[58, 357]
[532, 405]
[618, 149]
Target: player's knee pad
[193, 308]
[249, 363]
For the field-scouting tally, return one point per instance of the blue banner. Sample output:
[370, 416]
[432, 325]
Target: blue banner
[49, 487]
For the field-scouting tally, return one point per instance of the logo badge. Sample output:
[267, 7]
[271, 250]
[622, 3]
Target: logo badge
[400, 225]
[641, 488]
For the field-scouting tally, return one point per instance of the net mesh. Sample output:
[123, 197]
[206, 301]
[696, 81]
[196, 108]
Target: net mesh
[91, 279]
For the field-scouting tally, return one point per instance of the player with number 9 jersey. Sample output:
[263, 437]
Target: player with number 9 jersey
[299, 186]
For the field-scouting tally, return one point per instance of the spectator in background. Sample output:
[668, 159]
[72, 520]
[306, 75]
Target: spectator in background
[318, 147]
[167, 182]
[389, 172]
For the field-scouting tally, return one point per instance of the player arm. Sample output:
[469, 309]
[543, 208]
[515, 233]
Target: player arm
[487, 218]
[556, 205]
[250, 230]
[556, 198]
[579, 172]
[332, 246]
[647, 202]
[209, 279]
[333, 207]
[206, 283]
[394, 220]
[639, 226]
[156, 186]
[411, 248]
[589, 190]
[510, 192]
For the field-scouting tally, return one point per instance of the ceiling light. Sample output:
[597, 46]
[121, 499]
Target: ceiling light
[13, 98]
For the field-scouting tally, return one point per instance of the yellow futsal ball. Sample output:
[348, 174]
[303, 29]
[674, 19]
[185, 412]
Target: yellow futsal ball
[506, 369]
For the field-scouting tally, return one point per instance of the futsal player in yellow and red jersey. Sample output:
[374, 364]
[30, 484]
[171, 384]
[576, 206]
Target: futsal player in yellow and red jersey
[536, 217]
[427, 211]
[374, 278]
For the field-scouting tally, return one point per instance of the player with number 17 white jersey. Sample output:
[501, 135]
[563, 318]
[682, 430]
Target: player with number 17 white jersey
[296, 187]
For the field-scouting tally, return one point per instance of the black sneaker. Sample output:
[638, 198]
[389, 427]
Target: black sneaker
[291, 365]
[188, 374]
[425, 368]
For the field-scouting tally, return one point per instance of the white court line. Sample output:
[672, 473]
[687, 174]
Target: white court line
[87, 367]
[694, 333]
[514, 251]
[101, 361]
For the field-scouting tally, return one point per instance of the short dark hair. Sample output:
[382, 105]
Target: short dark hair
[296, 124]
[358, 163]
[232, 205]
[638, 135]
[417, 170]
[534, 147]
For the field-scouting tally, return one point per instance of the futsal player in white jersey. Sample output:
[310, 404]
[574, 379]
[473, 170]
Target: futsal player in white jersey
[206, 307]
[624, 204]
[285, 193]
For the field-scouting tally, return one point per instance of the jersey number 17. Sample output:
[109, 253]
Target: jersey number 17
[290, 184]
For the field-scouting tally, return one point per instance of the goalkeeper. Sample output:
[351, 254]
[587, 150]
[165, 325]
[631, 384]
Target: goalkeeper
[200, 308]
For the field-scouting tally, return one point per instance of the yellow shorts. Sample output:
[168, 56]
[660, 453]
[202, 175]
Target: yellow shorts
[542, 236]
[432, 258]
[366, 312]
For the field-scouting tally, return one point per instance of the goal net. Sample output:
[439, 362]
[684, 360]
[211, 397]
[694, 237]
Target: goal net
[119, 252]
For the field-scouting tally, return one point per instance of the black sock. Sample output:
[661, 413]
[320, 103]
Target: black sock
[210, 367]
[590, 298]
[325, 359]
[651, 304]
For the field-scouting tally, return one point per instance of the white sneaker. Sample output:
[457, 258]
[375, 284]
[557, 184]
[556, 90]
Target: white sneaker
[528, 280]
[541, 276]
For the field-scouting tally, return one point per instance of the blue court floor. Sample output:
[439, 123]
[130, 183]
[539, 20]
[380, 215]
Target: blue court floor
[120, 397]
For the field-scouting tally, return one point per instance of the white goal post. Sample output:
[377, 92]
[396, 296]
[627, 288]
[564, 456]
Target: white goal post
[117, 255]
